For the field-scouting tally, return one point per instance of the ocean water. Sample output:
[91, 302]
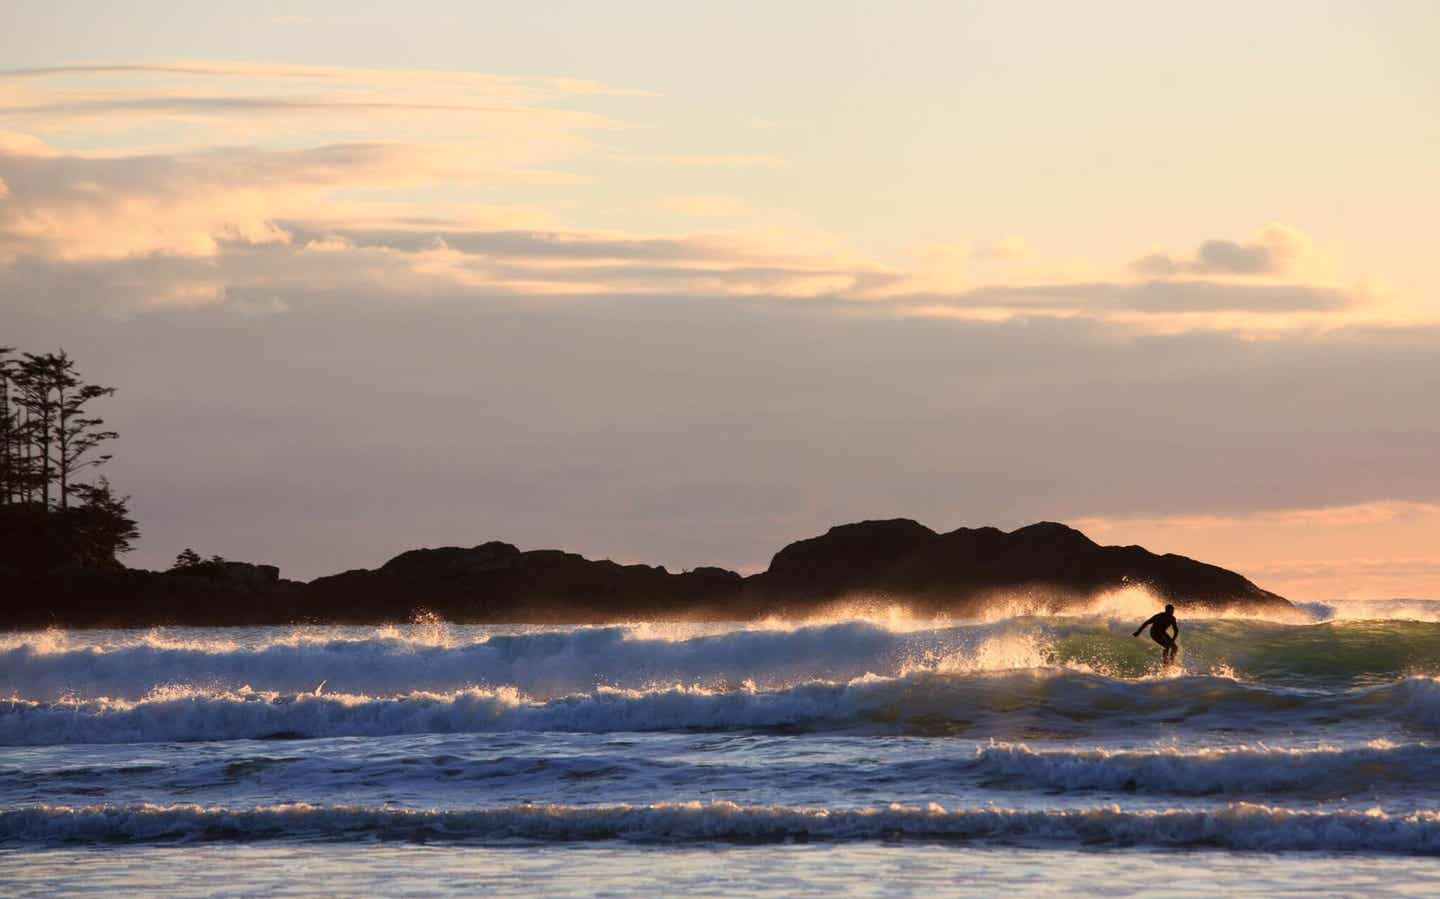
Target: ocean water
[865, 752]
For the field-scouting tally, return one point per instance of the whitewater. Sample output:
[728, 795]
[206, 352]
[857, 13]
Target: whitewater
[1294, 753]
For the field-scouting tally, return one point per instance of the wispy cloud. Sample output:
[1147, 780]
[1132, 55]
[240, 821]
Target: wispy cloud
[233, 105]
[1272, 252]
[252, 73]
[263, 208]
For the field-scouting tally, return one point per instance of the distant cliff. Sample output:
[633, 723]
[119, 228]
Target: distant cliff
[958, 572]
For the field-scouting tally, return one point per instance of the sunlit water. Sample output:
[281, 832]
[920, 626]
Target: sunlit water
[872, 755]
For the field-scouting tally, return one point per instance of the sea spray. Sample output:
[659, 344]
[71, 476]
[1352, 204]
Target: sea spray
[555, 662]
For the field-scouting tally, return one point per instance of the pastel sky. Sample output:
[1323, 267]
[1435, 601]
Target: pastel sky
[682, 282]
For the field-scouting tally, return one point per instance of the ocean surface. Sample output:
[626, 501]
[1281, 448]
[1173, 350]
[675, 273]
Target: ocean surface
[864, 753]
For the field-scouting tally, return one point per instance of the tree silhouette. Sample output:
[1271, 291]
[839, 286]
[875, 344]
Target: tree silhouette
[48, 439]
[35, 377]
[50, 427]
[9, 440]
[77, 435]
[101, 524]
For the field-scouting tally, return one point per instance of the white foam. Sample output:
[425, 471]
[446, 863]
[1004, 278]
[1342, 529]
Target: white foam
[1239, 826]
[1427, 610]
[983, 704]
[542, 664]
[1241, 770]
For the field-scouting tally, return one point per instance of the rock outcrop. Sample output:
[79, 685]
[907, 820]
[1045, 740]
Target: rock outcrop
[1047, 564]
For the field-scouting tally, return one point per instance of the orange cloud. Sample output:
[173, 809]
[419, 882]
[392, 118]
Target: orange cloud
[1272, 252]
[77, 207]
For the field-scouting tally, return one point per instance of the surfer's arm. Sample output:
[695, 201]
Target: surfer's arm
[1148, 621]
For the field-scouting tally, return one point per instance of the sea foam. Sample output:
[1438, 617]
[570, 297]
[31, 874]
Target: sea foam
[1240, 826]
[558, 662]
[1057, 702]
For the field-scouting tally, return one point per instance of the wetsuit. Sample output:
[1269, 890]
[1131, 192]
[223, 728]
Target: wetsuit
[1160, 624]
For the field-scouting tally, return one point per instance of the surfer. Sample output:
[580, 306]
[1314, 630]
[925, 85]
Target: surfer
[1160, 624]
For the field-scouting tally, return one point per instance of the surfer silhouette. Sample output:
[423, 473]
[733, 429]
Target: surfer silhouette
[1160, 625]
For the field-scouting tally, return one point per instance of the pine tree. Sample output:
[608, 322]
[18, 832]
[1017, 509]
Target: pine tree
[77, 435]
[47, 439]
[9, 492]
[35, 377]
[63, 437]
[101, 523]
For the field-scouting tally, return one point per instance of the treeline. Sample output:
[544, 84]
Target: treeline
[55, 507]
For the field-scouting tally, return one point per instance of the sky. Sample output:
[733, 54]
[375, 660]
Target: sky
[681, 283]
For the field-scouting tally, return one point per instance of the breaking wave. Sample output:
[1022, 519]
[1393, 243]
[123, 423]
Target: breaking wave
[558, 662]
[1324, 772]
[1239, 826]
[1244, 770]
[1012, 704]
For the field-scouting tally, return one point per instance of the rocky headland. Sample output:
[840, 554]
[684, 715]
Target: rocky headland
[1047, 565]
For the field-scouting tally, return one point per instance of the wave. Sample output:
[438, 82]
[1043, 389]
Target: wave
[1318, 771]
[1014, 704]
[552, 663]
[558, 662]
[1239, 826]
[1372, 610]
[1324, 772]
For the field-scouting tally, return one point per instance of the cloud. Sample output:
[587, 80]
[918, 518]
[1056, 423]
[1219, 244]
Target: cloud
[271, 284]
[197, 105]
[333, 76]
[229, 106]
[262, 218]
[1155, 297]
[18, 143]
[1272, 252]
[266, 218]
[189, 204]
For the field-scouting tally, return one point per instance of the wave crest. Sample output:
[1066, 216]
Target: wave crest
[1018, 704]
[1239, 826]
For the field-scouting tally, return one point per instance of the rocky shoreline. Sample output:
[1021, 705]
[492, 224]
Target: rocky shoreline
[898, 560]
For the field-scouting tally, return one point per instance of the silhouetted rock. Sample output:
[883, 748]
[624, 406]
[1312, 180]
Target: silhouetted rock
[497, 582]
[1048, 564]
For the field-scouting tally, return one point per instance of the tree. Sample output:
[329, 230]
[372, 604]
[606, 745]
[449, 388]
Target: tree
[64, 438]
[8, 487]
[35, 377]
[188, 558]
[48, 438]
[19, 468]
[76, 434]
[101, 524]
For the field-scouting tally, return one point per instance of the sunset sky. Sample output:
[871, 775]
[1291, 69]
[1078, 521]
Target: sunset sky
[680, 283]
